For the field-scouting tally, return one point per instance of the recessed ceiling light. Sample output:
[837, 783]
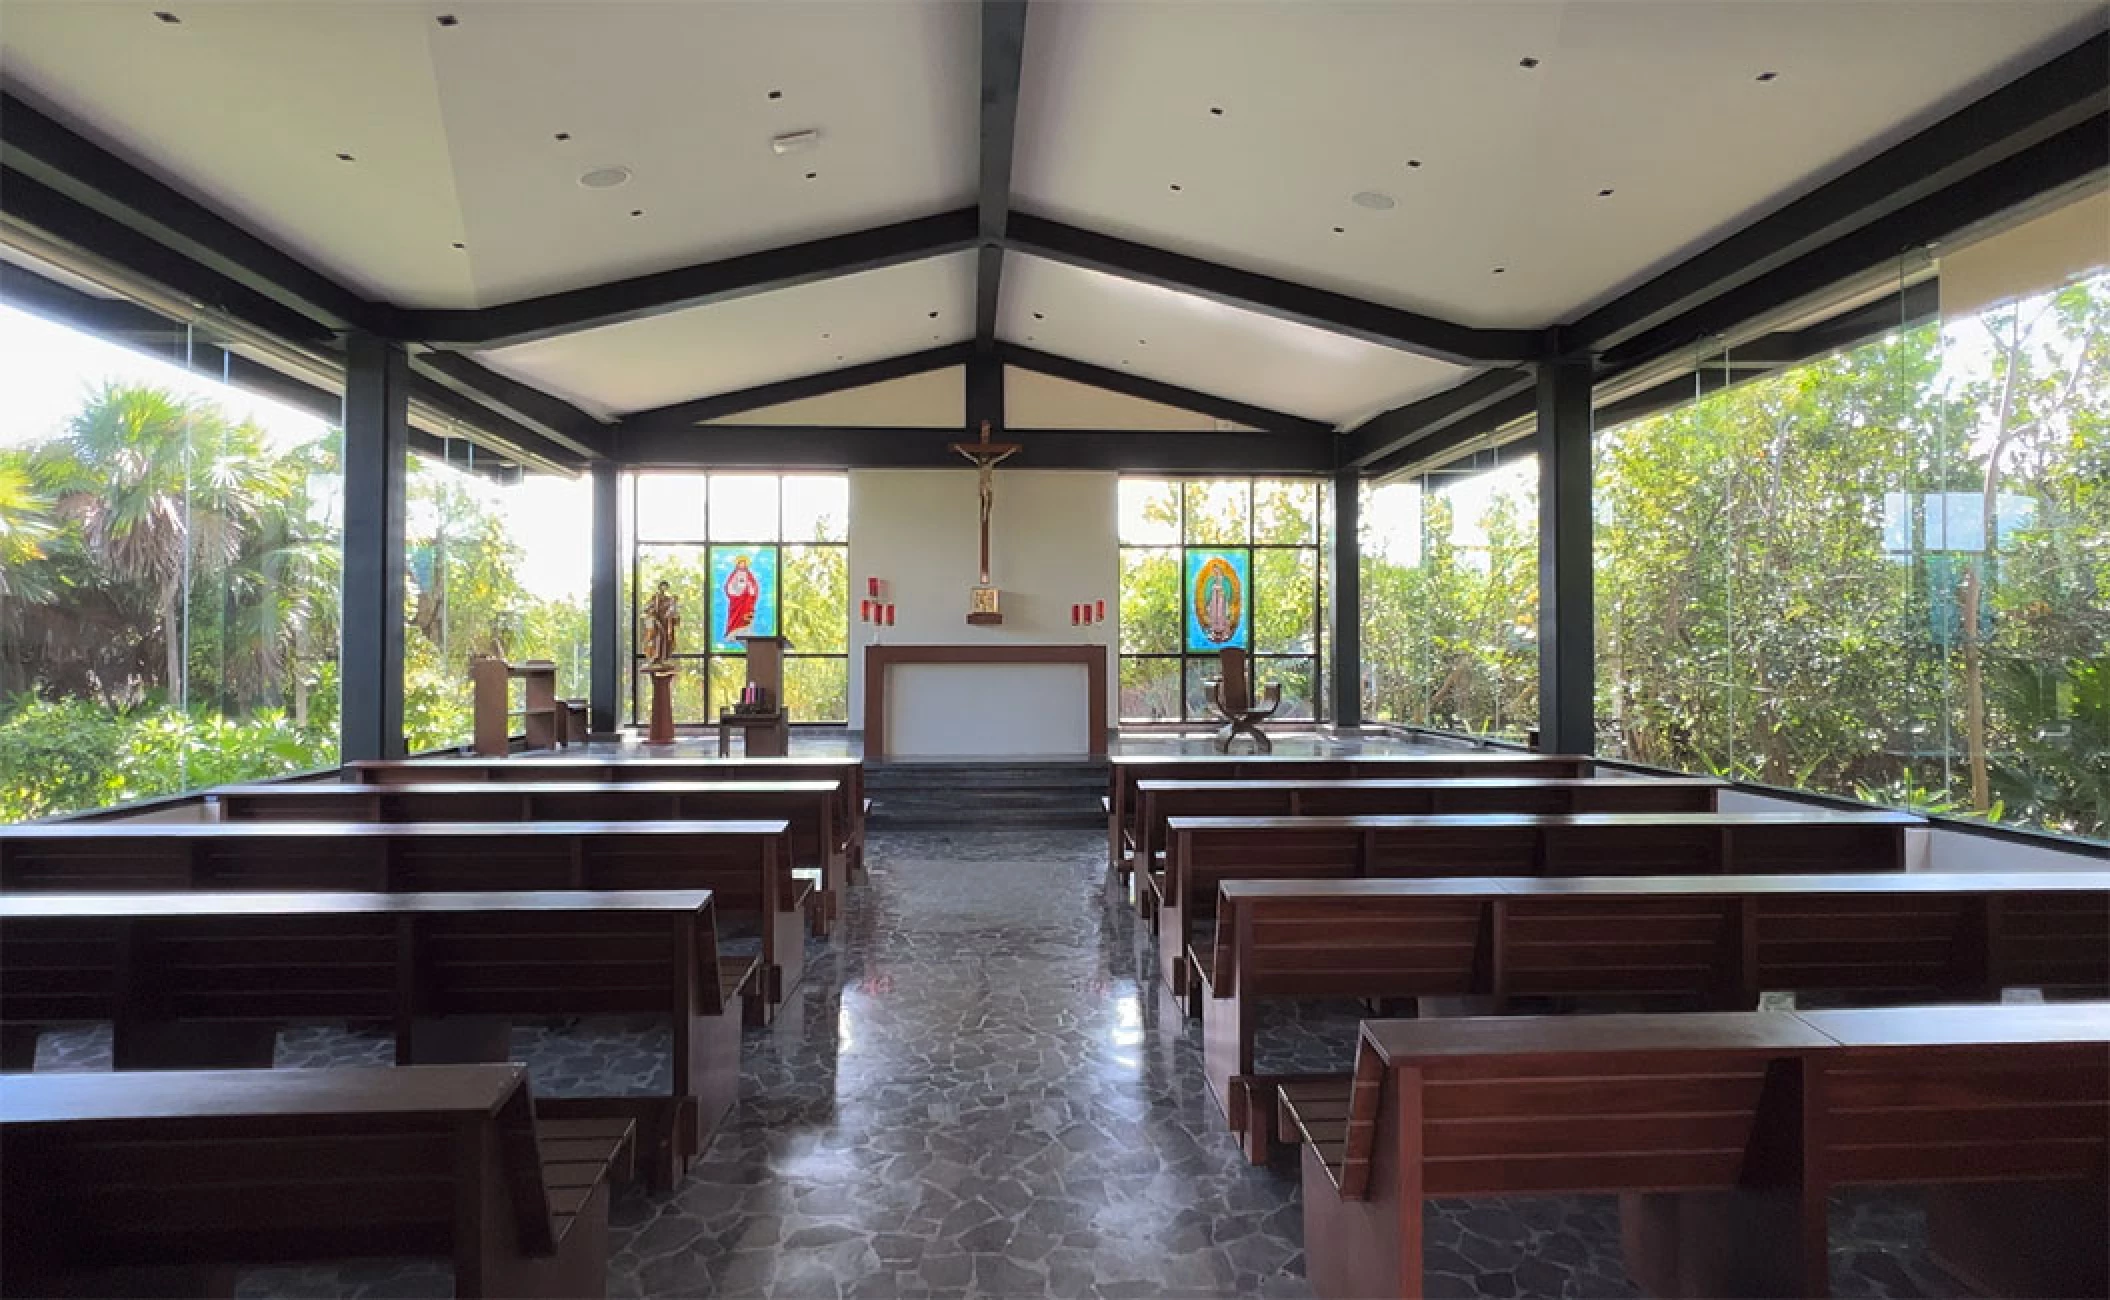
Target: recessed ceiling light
[1039, 316]
[1527, 62]
[1175, 189]
[1215, 111]
[345, 157]
[459, 244]
[1767, 76]
[1374, 201]
[604, 178]
[637, 212]
[934, 315]
[776, 94]
[838, 356]
[167, 17]
[827, 336]
[1500, 270]
[813, 176]
[1413, 162]
[1340, 230]
[448, 20]
[563, 135]
[1604, 194]
[795, 141]
[1143, 342]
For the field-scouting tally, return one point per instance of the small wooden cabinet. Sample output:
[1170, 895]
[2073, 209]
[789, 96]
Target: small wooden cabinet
[541, 714]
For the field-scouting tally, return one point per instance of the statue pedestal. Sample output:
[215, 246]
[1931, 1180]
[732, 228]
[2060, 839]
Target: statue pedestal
[662, 730]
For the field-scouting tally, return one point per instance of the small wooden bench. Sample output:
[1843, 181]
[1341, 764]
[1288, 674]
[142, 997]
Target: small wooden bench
[1725, 1133]
[744, 865]
[810, 808]
[188, 1176]
[1206, 850]
[1162, 800]
[850, 805]
[196, 980]
[1650, 943]
[1122, 806]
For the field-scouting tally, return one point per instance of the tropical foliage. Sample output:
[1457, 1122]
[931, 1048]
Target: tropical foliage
[169, 601]
[1884, 573]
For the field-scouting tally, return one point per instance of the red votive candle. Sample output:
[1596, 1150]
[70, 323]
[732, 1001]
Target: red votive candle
[890, 616]
[1076, 615]
[1099, 614]
[872, 588]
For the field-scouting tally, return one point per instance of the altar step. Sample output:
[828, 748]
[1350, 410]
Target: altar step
[1003, 794]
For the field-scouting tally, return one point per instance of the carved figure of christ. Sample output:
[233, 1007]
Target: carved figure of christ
[986, 456]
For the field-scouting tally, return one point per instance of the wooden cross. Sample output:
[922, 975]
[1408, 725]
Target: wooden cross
[986, 456]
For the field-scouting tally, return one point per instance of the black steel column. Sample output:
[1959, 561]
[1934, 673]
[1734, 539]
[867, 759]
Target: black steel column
[376, 442]
[1344, 627]
[985, 393]
[605, 616]
[1567, 602]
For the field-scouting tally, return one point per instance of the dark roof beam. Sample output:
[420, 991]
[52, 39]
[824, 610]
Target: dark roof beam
[1003, 65]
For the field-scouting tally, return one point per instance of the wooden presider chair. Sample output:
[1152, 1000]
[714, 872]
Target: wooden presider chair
[1231, 693]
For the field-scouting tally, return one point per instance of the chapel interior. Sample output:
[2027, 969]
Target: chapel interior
[1055, 648]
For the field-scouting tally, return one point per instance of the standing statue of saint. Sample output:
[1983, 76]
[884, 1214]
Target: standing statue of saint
[662, 619]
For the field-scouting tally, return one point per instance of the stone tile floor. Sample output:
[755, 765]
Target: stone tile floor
[976, 1094]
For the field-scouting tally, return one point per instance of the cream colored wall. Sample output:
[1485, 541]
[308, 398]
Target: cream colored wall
[1053, 544]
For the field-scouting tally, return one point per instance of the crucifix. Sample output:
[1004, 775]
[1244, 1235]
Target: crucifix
[986, 456]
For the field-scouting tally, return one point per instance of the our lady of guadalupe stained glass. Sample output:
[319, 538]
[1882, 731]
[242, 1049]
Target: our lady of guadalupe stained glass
[1218, 599]
[743, 595]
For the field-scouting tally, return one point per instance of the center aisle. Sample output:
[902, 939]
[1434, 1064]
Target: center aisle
[973, 1096]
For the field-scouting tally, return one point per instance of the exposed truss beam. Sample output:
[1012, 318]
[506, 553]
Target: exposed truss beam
[1459, 413]
[2056, 97]
[779, 447]
[549, 417]
[1152, 390]
[1320, 308]
[985, 392]
[742, 400]
[38, 147]
[1003, 64]
[693, 286]
[2071, 155]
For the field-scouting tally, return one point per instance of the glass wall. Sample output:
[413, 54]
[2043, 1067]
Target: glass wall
[170, 549]
[1882, 573]
[1214, 563]
[746, 554]
[1450, 597]
[499, 563]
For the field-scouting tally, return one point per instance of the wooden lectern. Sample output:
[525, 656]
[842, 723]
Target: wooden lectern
[767, 733]
[540, 714]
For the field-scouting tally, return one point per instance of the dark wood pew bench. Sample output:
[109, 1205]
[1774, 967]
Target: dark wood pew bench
[190, 1175]
[1124, 771]
[810, 808]
[197, 980]
[1725, 1134]
[851, 804]
[744, 864]
[1162, 800]
[1649, 943]
[1203, 851]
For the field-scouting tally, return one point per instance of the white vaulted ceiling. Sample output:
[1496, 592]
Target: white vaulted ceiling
[1656, 100]
[453, 128]
[759, 339]
[1235, 131]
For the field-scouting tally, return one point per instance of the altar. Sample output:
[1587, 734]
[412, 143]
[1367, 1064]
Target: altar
[994, 698]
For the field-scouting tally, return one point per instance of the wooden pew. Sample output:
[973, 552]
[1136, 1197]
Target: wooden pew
[811, 809]
[1671, 942]
[1161, 800]
[850, 808]
[194, 980]
[193, 1174]
[1122, 806]
[1206, 850]
[743, 864]
[1725, 1132]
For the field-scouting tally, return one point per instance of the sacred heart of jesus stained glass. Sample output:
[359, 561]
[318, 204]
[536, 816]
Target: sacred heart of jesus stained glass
[1218, 599]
